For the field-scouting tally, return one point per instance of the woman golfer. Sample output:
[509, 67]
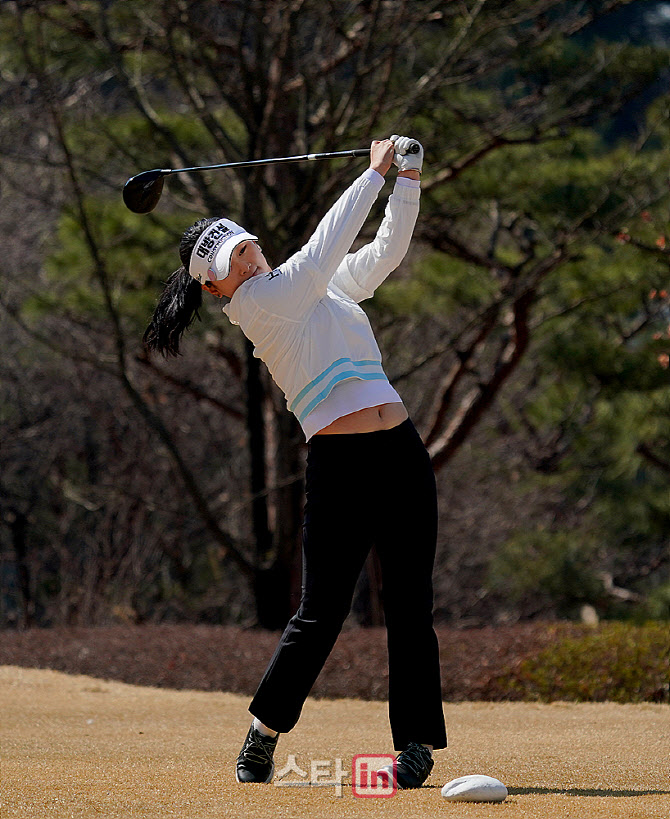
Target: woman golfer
[369, 479]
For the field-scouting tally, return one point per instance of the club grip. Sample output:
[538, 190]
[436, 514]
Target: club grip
[414, 148]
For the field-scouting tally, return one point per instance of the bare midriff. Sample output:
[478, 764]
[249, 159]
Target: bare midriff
[370, 419]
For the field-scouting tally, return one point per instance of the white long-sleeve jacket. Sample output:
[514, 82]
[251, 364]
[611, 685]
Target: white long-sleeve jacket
[303, 317]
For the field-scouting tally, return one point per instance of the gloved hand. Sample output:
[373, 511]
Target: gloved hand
[404, 160]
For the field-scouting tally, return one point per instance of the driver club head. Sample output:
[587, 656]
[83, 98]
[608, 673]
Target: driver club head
[142, 192]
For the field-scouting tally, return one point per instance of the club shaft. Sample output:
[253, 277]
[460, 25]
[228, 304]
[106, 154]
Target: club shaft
[276, 161]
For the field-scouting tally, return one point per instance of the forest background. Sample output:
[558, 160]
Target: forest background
[528, 330]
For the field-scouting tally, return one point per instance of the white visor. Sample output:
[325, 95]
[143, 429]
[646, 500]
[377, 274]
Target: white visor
[210, 260]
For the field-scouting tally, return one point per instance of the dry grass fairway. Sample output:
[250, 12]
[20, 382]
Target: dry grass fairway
[81, 747]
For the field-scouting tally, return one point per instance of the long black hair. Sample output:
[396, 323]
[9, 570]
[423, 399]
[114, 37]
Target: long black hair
[178, 304]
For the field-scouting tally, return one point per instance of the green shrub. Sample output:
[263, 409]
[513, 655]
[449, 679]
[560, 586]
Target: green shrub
[617, 662]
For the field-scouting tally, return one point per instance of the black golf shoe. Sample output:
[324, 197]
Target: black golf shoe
[413, 766]
[255, 763]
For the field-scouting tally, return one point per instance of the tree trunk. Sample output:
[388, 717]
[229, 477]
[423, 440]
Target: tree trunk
[19, 529]
[278, 585]
[368, 604]
[258, 482]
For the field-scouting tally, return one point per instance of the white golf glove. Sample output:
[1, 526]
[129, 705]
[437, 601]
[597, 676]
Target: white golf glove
[407, 161]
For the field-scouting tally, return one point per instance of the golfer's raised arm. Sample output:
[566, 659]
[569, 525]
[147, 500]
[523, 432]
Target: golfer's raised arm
[300, 282]
[336, 232]
[361, 273]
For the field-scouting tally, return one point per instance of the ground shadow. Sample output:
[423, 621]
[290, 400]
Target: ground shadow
[583, 792]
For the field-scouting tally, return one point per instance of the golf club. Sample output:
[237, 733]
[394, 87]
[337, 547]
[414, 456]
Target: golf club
[142, 192]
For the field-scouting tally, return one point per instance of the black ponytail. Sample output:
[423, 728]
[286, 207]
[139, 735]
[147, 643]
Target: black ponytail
[179, 302]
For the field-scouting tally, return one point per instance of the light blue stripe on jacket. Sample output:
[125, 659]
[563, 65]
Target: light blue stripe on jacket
[342, 369]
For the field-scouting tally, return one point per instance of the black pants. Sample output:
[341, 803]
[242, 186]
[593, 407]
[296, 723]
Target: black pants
[368, 489]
